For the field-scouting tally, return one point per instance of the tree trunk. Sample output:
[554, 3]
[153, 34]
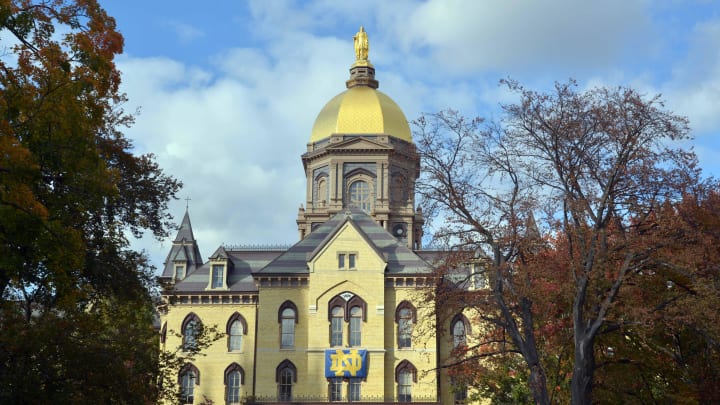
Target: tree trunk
[583, 370]
[538, 385]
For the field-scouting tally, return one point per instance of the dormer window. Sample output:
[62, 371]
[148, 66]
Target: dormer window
[179, 272]
[218, 276]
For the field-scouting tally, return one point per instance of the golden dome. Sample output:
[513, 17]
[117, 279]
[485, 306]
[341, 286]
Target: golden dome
[361, 110]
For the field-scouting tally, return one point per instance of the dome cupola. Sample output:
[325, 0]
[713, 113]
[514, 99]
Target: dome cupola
[361, 109]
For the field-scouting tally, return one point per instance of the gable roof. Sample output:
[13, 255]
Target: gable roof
[399, 258]
[244, 264]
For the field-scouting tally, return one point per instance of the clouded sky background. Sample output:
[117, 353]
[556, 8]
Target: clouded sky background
[228, 91]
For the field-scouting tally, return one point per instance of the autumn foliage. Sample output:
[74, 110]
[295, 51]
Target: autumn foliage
[597, 236]
[75, 306]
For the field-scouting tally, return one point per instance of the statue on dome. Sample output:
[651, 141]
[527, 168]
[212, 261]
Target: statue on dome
[362, 47]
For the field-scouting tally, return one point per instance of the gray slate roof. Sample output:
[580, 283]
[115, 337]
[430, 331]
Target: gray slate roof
[244, 264]
[184, 251]
[399, 258]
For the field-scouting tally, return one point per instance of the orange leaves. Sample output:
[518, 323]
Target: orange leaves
[17, 172]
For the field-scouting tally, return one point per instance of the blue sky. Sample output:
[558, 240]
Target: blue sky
[227, 91]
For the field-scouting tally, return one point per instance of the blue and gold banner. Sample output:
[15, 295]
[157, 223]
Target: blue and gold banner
[346, 363]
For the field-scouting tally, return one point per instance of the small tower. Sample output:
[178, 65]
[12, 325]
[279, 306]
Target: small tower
[361, 155]
[184, 256]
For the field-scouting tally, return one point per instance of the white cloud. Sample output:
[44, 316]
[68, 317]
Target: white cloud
[233, 131]
[695, 86]
[185, 32]
[467, 35]
[234, 135]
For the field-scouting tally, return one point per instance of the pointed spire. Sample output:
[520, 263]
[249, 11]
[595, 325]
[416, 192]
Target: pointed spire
[185, 232]
[184, 251]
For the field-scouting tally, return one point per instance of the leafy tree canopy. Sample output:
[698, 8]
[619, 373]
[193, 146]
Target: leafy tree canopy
[75, 308]
[591, 222]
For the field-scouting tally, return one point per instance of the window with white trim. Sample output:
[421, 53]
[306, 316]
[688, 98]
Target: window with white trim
[218, 273]
[179, 272]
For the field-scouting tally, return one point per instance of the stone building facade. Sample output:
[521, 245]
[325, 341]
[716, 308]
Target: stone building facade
[342, 315]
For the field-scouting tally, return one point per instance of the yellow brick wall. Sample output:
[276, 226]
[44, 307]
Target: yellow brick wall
[217, 357]
[312, 332]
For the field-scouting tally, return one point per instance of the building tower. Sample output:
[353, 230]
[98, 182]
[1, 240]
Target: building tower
[361, 155]
[184, 256]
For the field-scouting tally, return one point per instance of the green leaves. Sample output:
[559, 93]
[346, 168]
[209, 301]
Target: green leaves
[72, 293]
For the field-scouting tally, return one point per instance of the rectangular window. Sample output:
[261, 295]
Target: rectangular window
[187, 388]
[404, 387]
[217, 275]
[460, 395]
[336, 389]
[179, 272]
[341, 261]
[233, 388]
[351, 260]
[285, 385]
[354, 390]
[355, 331]
[336, 338]
[404, 332]
[288, 333]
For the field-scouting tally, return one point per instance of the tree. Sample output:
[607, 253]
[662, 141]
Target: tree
[589, 171]
[75, 304]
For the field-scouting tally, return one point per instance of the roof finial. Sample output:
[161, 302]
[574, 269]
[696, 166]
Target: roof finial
[187, 203]
[362, 72]
[362, 46]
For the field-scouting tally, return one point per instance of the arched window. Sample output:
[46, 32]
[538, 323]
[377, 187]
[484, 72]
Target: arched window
[350, 308]
[236, 327]
[188, 377]
[285, 376]
[322, 191]
[336, 326]
[459, 327]
[359, 195]
[235, 336]
[405, 316]
[355, 326]
[287, 317]
[234, 378]
[191, 327]
[405, 376]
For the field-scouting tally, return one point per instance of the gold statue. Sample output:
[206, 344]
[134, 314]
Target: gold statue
[361, 45]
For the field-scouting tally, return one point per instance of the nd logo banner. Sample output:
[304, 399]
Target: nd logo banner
[346, 363]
